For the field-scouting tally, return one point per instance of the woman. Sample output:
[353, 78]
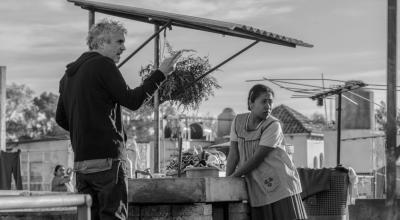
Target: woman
[61, 181]
[257, 153]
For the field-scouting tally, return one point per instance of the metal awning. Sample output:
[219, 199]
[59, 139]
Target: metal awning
[203, 24]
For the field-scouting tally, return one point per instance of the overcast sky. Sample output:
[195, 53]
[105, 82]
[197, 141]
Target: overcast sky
[38, 38]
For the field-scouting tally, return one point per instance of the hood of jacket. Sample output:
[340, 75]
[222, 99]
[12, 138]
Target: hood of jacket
[73, 67]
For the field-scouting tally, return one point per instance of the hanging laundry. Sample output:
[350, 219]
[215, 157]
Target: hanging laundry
[10, 166]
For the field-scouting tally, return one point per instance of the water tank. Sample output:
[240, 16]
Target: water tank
[358, 113]
[196, 131]
[224, 122]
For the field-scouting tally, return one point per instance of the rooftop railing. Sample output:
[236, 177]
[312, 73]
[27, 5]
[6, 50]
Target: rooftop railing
[81, 201]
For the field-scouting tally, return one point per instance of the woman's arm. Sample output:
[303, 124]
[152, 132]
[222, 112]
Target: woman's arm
[233, 158]
[60, 180]
[254, 162]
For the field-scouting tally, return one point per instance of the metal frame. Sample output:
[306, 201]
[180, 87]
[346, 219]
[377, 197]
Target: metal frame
[392, 150]
[168, 19]
[197, 23]
[338, 91]
[16, 203]
[222, 63]
[145, 43]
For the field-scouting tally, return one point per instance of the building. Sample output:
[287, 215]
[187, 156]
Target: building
[361, 145]
[306, 137]
[38, 159]
[304, 140]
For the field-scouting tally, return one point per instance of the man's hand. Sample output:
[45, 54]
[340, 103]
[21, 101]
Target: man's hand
[167, 66]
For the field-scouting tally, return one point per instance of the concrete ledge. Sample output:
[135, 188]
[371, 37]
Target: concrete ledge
[373, 209]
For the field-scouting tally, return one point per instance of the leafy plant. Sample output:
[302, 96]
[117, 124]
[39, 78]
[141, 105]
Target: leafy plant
[180, 87]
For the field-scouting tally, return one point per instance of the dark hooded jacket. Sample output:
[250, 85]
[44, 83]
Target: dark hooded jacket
[91, 92]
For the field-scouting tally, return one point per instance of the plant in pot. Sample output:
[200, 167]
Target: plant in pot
[181, 88]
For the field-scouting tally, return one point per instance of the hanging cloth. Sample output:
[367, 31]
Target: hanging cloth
[10, 166]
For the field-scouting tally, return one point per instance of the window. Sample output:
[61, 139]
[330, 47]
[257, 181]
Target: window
[315, 162]
[321, 160]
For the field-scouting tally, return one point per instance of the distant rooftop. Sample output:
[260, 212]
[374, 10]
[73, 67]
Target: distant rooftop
[293, 122]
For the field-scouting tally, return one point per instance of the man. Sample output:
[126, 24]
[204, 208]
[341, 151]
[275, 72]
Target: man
[91, 92]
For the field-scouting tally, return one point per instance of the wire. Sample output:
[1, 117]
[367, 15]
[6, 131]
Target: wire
[349, 99]
[299, 84]
[368, 100]
[312, 79]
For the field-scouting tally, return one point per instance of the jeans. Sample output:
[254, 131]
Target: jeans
[109, 192]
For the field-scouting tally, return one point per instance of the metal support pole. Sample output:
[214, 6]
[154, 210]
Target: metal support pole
[91, 18]
[156, 105]
[222, 63]
[324, 100]
[187, 129]
[3, 108]
[83, 212]
[28, 168]
[339, 127]
[391, 128]
[144, 43]
[45, 201]
[179, 153]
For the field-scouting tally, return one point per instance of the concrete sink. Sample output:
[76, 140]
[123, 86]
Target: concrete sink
[186, 190]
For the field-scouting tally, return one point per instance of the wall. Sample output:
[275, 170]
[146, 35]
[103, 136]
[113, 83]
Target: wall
[305, 149]
[315, 149]
[38, 160]
[364, 155]
[373, 209]
[299, 141]
[360, 116]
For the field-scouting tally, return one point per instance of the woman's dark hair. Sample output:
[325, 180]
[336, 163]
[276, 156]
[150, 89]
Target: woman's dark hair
[256, 91]
[57, 168]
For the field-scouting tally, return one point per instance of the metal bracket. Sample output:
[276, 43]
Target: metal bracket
[145, 43]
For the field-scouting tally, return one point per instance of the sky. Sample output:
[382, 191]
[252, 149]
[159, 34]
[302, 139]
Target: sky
[38, 38]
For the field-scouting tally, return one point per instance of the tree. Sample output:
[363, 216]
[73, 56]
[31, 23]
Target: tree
[46, 105]
[29, 117]
[19, 111]
[380, 117]
[318, 118]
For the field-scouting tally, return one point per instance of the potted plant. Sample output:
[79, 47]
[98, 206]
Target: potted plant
[181, 87]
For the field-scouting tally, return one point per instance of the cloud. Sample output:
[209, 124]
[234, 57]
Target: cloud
[349, 12]
[238, 14]
[227, 10]
[55, 5]
[375, 76]
[45, 11]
